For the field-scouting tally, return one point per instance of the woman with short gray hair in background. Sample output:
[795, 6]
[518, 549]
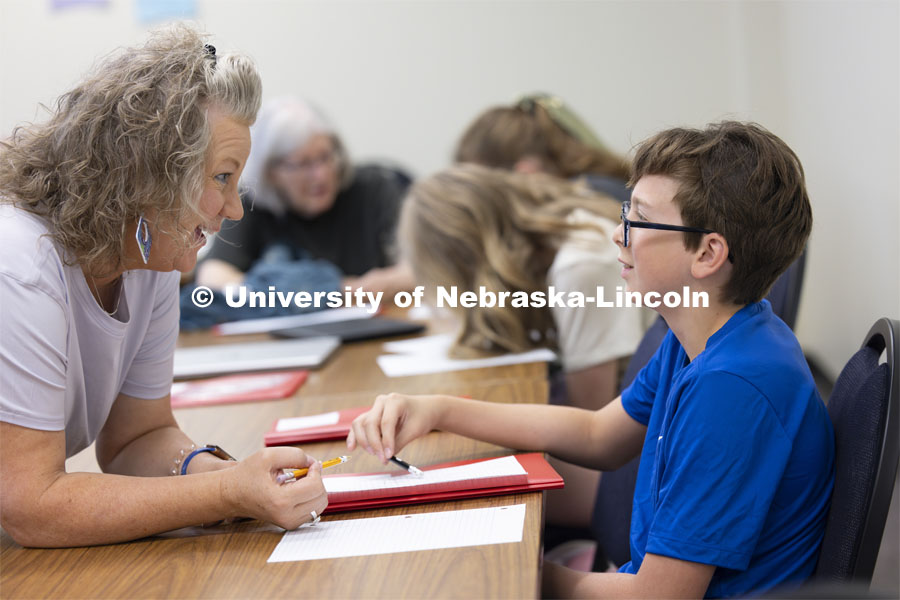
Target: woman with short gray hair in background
[305, 201]
[100, 207]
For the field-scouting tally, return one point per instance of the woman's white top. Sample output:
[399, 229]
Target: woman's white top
[592, 335]
[63, 359]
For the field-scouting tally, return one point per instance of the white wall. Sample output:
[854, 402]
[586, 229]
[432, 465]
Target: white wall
[840, 103]
[401, 80]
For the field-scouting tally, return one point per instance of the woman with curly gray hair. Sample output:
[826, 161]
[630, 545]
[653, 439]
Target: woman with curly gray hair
[100, 207]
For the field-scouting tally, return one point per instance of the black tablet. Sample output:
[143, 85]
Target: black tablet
[354, 330]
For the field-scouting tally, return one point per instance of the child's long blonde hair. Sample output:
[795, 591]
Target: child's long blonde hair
[470, 226]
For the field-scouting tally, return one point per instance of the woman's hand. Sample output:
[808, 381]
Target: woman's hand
[250, 490]
[393, 421]
[387, 280]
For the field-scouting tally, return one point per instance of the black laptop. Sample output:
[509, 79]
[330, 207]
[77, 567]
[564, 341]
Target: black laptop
[354, 330]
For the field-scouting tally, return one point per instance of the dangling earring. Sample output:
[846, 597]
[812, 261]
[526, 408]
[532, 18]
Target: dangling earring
[144, 239]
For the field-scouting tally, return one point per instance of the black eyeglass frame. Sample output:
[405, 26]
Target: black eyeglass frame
[628, 224]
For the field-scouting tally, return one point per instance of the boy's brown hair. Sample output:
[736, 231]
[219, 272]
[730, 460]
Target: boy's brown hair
[742, 181]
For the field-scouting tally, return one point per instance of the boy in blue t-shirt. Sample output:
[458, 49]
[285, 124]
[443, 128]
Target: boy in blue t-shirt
[737, 450]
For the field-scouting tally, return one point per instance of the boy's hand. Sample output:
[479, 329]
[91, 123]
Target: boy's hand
[393, 421]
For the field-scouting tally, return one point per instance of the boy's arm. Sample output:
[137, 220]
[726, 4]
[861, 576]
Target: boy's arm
[605, 439]
[659, 577]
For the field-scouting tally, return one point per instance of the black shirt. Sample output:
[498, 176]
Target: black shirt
[356, 234]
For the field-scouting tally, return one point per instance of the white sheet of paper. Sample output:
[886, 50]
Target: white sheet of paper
[291, 423]
[498, 467]
[434, 345]
[403, 365]
[403, 533]
[313, 318]
[420, 313]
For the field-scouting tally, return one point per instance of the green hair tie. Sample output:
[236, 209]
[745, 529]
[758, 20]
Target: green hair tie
[563, 116]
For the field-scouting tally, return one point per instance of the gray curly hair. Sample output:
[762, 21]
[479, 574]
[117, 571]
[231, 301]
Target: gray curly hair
[130, 138]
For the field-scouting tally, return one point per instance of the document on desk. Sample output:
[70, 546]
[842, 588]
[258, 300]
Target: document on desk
[248, 387]
[488, 473]
[268, 324]
[402, 533]
[449, 481]
[334, 425]
[434, 345]
[424, 355]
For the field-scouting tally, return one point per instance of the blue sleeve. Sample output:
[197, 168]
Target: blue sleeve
[637, 398]
[718, 468]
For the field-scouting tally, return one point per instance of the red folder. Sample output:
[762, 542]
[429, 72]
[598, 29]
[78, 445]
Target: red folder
[539, 475]
[236, 388]
[317, 433]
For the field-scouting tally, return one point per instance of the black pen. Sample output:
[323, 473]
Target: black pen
[402, 463]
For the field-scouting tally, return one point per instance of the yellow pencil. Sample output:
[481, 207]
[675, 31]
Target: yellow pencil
[292, 474]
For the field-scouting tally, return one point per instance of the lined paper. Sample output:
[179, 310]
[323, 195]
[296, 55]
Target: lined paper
[489, 473]
[402, 533]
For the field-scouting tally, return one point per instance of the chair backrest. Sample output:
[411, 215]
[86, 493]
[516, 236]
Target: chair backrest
[785, 292]
[864, 411]
[390, 170]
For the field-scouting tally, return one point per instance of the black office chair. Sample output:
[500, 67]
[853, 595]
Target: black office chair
[865, 411]
[611, 521]
[390, 169]
[785, 293]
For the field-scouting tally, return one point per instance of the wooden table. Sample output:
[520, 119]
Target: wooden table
[230, 561]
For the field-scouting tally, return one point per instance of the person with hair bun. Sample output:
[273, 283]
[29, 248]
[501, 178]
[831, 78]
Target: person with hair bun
[100, 207]
[540, 133]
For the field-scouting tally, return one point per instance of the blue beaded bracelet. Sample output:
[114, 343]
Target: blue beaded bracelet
[213, 449]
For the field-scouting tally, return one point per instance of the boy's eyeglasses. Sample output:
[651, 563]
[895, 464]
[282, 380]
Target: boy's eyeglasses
[628, 224]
